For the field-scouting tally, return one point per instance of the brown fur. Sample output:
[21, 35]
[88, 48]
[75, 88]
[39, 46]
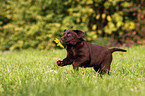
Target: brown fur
[83, 54]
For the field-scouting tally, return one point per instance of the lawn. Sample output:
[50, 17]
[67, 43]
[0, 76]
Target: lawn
[35, 73]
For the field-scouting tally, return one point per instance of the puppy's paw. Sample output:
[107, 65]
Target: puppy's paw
[60, 63]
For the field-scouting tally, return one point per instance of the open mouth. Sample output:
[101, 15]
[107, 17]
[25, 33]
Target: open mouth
[62, 41]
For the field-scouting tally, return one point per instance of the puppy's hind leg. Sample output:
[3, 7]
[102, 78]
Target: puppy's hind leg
[105, 65]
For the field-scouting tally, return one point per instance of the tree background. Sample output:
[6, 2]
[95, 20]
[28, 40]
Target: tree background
[36, 23]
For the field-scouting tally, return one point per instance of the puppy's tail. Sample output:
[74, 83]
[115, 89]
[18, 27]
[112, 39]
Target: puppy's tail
[116, 49]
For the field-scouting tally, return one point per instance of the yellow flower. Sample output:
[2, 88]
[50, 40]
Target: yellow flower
[103, 15]
[109, 18]
[94, 27]
[58, 43]
[97, 16]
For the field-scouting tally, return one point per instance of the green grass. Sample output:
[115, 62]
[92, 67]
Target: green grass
[35, 73]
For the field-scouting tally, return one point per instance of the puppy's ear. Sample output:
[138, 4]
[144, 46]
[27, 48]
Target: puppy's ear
[64, 30]
[79, 33]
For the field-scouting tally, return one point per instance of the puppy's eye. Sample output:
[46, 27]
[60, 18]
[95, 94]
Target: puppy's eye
[69, 35]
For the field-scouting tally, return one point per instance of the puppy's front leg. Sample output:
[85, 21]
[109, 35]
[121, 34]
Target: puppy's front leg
[64, 62]
[76, 68]
[79, 61]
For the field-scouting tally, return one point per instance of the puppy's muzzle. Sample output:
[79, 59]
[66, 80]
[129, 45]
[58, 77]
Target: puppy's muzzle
[62, 40]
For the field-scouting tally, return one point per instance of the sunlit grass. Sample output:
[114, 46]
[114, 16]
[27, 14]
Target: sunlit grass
[35, 73]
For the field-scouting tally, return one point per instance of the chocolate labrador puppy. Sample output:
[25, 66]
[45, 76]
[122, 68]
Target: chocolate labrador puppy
[83, 54]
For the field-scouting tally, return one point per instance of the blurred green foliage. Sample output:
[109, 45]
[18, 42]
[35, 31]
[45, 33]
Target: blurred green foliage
[35, 23]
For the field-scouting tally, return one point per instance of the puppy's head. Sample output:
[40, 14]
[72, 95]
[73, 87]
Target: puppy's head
[72, 36]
